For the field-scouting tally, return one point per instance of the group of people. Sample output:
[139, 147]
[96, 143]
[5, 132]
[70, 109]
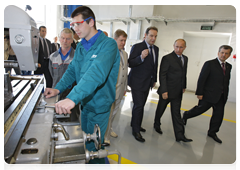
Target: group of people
[47, 50]
[99, 67]
[212, 86]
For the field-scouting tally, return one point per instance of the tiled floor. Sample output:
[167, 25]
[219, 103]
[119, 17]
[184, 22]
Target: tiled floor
[163, 149]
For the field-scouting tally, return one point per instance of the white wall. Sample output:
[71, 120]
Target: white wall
[195, 11]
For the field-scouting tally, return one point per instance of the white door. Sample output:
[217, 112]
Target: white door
[200, 48]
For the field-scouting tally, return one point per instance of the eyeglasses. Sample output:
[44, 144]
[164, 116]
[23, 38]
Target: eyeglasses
[74, 24]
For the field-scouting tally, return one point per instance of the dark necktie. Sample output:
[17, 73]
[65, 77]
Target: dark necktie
[46, 53]
[180, 58]
[151, 53]
[223, 67]
[56, 46]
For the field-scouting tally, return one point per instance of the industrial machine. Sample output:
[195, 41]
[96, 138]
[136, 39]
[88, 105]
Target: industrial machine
[33, 132]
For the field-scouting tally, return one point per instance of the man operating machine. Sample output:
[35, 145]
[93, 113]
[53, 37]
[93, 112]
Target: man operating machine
[32, 130]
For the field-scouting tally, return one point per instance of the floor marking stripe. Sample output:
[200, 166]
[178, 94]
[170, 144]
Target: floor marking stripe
[128, 163]
[202, 114]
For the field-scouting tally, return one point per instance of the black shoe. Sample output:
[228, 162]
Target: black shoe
[142, 129]
[184, 139]
[184, 119]
[158, 129]
[105, 144]
[138, 137]
[214, 136]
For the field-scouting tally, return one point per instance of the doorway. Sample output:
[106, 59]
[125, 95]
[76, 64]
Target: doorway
[201, 46]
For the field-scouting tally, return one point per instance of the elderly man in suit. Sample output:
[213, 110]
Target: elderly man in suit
[120, 37]
[143, 61]
[212, 90]
[172, 77]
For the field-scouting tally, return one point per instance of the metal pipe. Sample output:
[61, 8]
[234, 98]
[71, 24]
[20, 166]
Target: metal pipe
[104, 153]
[130, 11]
[139, 30]
[111, 29]
[74, 141]
[116, 152]
[69, 123]
[128, 30]
[52, 151]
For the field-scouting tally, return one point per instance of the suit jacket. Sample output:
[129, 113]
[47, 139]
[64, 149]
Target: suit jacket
[121, 85]
[74, 45]
[41, 56]
[172, 75]
[143, 74]
[54, 47]
[212, 82]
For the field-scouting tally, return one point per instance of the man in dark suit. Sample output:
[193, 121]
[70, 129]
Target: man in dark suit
[143, 61]
[212, 90]
[55, 45]
[43, 56]
[172, 77]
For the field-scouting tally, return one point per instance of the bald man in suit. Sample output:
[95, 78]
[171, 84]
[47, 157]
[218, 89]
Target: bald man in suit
[173, 82]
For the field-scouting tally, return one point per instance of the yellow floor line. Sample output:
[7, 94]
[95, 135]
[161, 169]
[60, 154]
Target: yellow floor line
[202, 114]
[128, 163]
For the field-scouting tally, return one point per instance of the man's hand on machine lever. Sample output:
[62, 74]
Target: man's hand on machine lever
[64, 106]
[49, 92]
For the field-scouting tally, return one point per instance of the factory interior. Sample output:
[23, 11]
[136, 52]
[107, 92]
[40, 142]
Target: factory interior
[36, 136]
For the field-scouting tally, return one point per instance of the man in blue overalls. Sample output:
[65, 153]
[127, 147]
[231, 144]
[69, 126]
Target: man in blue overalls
[95, 69]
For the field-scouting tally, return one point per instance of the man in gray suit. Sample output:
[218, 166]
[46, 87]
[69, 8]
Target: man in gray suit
[120, 37]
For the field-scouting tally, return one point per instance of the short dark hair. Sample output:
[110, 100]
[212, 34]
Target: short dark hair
[86, 12]
[226, 47]
[41, 27]
[120, 32]
[73, 31]
[180, 39]
[151, 28]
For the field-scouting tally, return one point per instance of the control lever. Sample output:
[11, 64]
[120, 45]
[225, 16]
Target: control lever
[65, 134]
[96, 136]
[48, 106]
[51, 106]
